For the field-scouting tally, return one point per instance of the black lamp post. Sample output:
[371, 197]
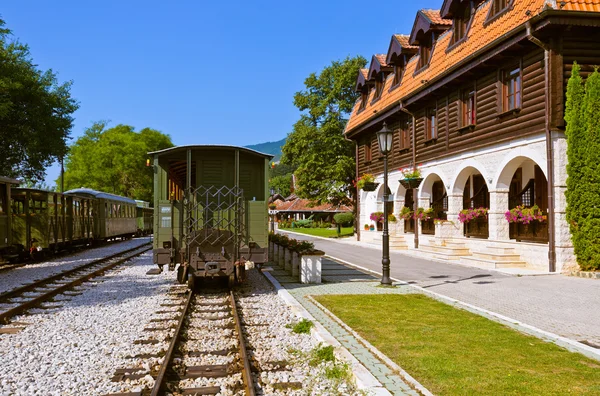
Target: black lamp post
[384, 137]
[272, 214]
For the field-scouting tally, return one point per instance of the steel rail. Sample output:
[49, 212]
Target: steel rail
[246, 373]
[162, 374]
[5, 316]
[29, 287]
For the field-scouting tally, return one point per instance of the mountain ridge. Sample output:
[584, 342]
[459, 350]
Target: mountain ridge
[273, 148]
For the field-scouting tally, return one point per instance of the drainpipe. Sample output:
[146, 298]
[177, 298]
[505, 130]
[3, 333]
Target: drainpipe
[414, 161]
[549, 150]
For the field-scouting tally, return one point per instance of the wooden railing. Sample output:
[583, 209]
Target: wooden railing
[533, 232]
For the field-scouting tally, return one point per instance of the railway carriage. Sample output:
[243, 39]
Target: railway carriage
[210, 210]
[7, 252]
[144, 214]
[45, 221]
[114, 216]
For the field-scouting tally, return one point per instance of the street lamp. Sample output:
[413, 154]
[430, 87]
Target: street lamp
[272, 214]
[384, 137]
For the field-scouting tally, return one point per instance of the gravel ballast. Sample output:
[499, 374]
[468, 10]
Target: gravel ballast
[74, 349]
[31, 272]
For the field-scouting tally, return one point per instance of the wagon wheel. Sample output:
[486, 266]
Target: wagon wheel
[240, 272]
[231, 280]
[182, 274]
[191, 282]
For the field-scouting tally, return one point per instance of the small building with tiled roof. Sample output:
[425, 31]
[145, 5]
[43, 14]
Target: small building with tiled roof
[294, 208]
[475, 95]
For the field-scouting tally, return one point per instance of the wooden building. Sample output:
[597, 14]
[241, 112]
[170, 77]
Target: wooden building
[475, 95]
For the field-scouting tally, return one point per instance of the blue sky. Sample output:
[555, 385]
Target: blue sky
[203, 72]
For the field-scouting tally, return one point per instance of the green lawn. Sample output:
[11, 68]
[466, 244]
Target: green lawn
[322, 232]
[455, 352]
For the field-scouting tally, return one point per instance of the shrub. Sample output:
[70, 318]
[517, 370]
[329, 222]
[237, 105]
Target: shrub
[423, 214]
[376, 217]
[302, 327]
[470, 214]
[344, 219]
[308, 223]
[321, 354]
[406, 213]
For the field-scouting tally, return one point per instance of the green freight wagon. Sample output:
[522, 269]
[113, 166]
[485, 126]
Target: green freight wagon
[7, 252]
[114, 216]
[45, 221]
[144, 215]
[210, 210]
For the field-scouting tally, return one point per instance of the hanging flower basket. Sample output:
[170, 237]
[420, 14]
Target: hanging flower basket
[369, 186]
[411, 183]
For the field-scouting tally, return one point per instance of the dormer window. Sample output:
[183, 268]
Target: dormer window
[364, 97]
[425, 51]
[461, 25]
[498, 6]
[397, 75]
[379, 83]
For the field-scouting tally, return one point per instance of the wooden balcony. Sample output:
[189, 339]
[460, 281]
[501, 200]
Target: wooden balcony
[477, 228]
[533, 232]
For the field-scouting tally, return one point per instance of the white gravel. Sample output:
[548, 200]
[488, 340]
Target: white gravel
[75, 349]
[29, 273]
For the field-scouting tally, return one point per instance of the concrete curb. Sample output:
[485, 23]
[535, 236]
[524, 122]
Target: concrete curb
[399, 370]
[586, 274]
[567, 343]
[364, 379]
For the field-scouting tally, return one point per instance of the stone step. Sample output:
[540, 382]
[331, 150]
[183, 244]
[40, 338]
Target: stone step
[485, 263]
[445, 250]
[508, 257]
[500, 250]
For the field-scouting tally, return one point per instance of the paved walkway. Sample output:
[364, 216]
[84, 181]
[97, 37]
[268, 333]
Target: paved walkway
[567, 306]
[339, 279]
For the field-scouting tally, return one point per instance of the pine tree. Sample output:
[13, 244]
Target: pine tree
[590, 189]
[575, 132]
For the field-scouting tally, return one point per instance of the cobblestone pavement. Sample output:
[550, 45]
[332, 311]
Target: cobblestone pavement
[567, 306]
[339, 279]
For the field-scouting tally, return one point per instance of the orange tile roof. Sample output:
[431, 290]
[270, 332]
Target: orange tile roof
[403, 40]
[441, 61]
[381, 59]
[435, 18]
[581, 5]
[365, 73]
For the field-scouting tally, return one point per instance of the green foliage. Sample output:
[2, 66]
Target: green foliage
[340, 371]
[282, 184]
[114, 160]
[316, 146]
[35, 112]
[321, 354]
[344, 219]
[307, 223]
[583, 169]
[302, 327]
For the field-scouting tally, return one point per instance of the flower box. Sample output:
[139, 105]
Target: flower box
[310, 268]
[370, 186]
[411, 183]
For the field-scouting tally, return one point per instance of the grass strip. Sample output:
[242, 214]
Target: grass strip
[322, 232]
[455, 352]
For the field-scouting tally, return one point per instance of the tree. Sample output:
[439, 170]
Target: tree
[114, 160]
[583, 182]
[35, 113]
[575, 133]
[324, 159]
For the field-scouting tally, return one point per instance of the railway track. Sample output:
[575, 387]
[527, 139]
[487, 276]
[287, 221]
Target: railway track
[212, 321]
[17, 301]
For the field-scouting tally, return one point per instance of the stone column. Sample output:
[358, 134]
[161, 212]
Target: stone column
[565, 256]
[497, 224]
[455, 205]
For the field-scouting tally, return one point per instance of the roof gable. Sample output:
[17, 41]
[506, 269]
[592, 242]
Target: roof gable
[427, 21]
[399, 46]
[362, 80]
[378, 65]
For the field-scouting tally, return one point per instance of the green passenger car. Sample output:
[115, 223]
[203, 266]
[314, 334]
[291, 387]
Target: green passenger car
[45, 221]
[6, 240]
[144, 214]
[114, 216]
[210, 210]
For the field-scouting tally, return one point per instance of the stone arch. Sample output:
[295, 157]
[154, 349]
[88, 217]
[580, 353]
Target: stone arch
[425, 189]
[512, 162]
[465, 170]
